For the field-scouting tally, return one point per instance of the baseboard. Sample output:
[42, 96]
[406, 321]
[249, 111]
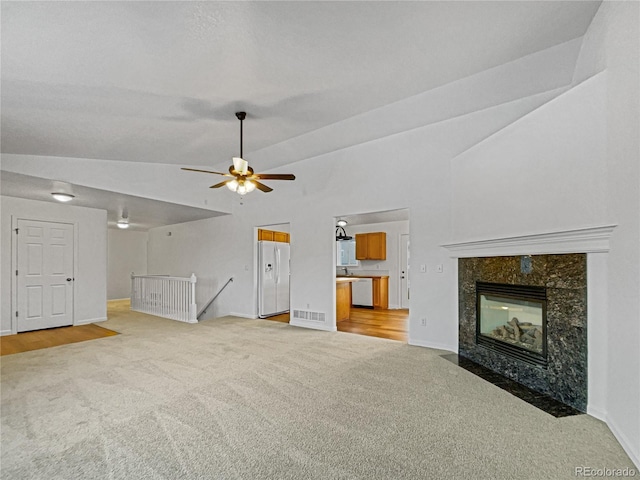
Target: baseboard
[624, 442]
[437, 346]
[597, 413]
[241, 315]
[118, 299]
[90, 320]
[312, 325]
[5, 332]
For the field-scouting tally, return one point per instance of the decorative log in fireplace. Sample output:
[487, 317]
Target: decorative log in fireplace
[512, 320]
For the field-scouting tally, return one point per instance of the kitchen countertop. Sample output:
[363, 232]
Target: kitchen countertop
[346, 279]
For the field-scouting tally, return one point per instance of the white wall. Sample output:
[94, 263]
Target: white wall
[126, 253]
[390, 266]
[90, 294]
[613, 44]
[575, 162]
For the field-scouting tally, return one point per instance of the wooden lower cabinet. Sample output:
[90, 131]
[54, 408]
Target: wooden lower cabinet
[381, 292]
[343, 301]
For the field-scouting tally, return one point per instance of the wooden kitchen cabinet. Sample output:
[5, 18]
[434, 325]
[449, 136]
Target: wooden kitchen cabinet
[273, 236]
[381, 292]
[281, 237]
[371, 246]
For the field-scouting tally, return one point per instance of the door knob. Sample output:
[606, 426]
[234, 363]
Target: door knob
[68, 279]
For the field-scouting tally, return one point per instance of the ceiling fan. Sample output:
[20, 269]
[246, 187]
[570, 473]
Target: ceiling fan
[242, 178]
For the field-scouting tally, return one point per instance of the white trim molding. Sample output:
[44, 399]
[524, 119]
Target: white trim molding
[312, 325]
[240, 315]
[87, 321]
[581, 240]
[432, 345]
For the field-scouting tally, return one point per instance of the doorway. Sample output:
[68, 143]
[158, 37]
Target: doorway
[44, 274]
[384, 266]
[273, 272]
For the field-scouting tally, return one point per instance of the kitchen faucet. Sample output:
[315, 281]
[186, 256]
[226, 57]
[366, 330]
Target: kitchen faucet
[346, 272]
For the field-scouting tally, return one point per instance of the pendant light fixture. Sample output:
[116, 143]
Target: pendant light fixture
[340, 232]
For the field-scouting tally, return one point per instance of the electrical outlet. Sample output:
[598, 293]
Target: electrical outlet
[423, 321]
[439, 268]
[423, 268]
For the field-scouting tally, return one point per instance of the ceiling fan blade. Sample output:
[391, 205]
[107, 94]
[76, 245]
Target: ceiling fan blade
[262, 186]
[240, 165]
[205, 171]
[275, 176]
[218, 185]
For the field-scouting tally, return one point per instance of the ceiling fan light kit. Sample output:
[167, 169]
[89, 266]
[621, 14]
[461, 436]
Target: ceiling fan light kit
[243, 179]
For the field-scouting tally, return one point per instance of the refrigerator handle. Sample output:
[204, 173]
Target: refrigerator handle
[277, 252]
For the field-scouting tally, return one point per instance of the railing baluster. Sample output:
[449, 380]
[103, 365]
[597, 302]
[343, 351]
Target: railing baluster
[164, 296]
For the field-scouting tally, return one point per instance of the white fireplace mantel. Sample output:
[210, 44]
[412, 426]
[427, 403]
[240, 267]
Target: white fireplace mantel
[581, 240]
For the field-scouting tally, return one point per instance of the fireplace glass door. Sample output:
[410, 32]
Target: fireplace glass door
[512, 319]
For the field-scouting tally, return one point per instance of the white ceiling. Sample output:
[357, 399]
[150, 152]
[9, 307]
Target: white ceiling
[159, 82]
[142, 213]
[377, 217]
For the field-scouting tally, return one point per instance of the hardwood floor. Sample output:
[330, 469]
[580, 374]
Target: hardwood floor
[51, 337]
[283, 317]
[390, 324]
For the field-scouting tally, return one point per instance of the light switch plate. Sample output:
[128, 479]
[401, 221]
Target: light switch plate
[439, 268]
[423, 268]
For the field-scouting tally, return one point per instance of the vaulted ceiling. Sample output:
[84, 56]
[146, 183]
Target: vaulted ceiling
[159, 82]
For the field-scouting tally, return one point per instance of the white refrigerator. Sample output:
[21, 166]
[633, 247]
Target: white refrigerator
[273, 278]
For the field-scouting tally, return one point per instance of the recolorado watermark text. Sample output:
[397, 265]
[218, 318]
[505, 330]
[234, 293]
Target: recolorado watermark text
[605, 472]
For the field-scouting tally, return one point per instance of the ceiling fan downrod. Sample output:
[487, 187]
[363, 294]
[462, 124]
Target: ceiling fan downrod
[241, 116]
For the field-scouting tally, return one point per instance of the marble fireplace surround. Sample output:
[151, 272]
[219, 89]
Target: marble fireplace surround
[565, 279]
[592, 241]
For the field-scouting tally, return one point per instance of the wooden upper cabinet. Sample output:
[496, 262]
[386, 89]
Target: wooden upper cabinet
[377, 246]
[273, 236]
[281, 237]
[265, 235]
[371, 246]
[362, 246]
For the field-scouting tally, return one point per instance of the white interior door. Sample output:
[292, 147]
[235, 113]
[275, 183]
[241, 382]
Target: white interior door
[405, 287]
[44, 280]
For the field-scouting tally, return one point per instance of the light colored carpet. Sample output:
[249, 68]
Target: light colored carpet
[252, 399]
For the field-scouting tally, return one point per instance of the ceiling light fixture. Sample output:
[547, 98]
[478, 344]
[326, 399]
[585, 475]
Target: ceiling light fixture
[123, 222]
[241, 186]
[341, 223]
[63, 197]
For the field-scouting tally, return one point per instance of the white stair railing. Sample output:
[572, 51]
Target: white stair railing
[164, 296]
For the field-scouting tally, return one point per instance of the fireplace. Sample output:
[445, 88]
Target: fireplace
[551, 296]
[512, 320]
